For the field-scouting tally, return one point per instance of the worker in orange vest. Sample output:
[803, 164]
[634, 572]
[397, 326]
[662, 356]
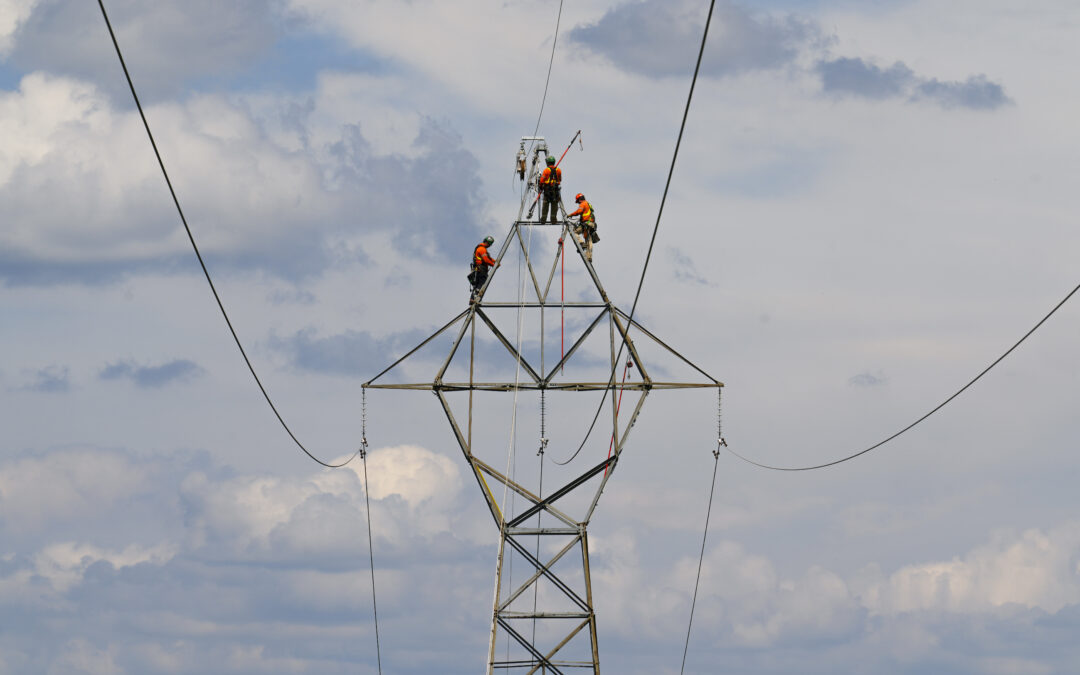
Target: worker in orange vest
[480, 263]
[586, 225]
[550, 185]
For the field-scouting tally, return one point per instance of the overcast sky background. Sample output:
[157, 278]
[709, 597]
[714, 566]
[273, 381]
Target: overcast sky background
[873, 201]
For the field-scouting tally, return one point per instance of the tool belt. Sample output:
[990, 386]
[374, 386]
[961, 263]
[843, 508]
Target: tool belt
[588, 229]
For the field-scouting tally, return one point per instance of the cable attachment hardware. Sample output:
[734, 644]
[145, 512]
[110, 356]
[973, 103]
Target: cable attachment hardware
[363, 424]
[543, 424]
[720, 442]
[520, 162]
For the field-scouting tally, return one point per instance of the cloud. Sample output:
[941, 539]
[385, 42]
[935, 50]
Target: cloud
[167, 45]
[857, 77]
[66, 484]
[246, 572]
[658, 38]
[685, 270]
[976, 93]
[177, 370]
[868, 379]
[1033, 569]
[860, 78]
[13, 14]
[257, 199]
[351, 353]
[49, 380]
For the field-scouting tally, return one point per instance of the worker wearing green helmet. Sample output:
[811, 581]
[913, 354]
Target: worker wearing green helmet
[480, 263]
[550, 185]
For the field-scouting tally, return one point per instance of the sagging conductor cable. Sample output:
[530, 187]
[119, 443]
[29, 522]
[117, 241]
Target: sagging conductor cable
[198, 255]
[941, 405]
[656, 230]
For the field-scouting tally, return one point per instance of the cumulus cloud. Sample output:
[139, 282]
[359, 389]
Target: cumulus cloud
[860, 78]
[249, 572]
[61, 485]
[1033, 569]
[180, 596]
[274, 202]
[658, 38]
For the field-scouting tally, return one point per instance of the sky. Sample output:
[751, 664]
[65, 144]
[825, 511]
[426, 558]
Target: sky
[873, 201]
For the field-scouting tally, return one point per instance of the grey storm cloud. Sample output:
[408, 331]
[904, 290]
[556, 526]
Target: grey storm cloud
[658, 38]
[860, 78]
[49, 380]
[151, 377]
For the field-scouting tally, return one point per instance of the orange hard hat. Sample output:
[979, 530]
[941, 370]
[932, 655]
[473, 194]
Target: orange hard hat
[579, 197]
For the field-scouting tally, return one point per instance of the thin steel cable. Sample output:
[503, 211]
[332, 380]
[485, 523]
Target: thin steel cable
[551, 62]
[371, 559]
[547, 81]
[367, 510]
[656, 230]
[701, 561]
[708, 512]
[198, 255]
[511, 453]
[920, 420]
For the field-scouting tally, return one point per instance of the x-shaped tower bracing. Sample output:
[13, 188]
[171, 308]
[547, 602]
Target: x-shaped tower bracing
[544, 623]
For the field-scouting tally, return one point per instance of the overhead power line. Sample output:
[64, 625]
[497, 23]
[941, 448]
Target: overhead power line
[656, 229]
[939, 406]
[551, 62]
[198, 255]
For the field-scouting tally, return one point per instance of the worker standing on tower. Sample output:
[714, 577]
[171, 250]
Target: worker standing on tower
[586, 226]
[550, 185]
[480, 263]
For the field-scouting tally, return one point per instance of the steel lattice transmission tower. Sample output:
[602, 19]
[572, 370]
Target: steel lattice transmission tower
[545, 622]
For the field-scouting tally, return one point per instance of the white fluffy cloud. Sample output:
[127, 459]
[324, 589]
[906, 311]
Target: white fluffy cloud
[37, 491]
[295, 548]
[1034, 569]
[13, 13]
[305, 185]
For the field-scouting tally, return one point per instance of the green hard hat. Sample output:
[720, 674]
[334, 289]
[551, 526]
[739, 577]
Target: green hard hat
[550, 159]
[489, 240]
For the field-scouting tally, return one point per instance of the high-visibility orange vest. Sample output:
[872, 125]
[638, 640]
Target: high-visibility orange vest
[480, 255]
[546, 178]
[585, 211]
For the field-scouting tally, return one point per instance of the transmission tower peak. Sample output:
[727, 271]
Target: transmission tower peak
[508, 341]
